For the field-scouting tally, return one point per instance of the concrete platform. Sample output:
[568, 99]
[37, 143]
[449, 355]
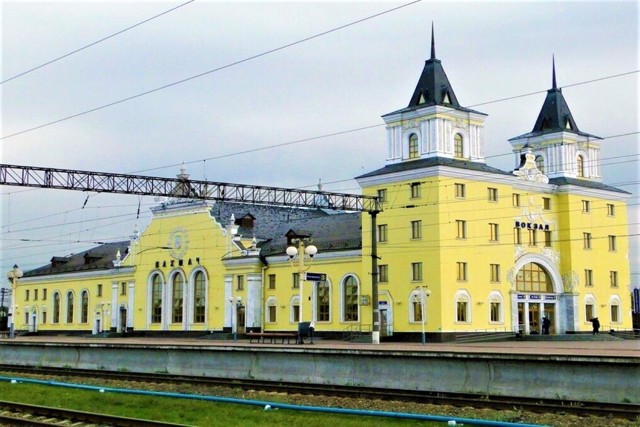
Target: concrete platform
[603, 371]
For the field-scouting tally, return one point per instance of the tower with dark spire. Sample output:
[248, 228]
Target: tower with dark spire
[559, 147]
[434, 124]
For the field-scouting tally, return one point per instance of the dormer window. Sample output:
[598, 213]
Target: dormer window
[567, 124]
[423, 97]
[413, 146]
[446, 99]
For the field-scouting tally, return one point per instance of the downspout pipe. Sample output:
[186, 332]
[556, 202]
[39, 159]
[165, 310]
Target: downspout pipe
[274, 405]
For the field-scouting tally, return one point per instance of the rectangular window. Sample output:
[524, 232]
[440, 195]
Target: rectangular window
[461, 191]
[296, 281]
[239, 282]
[123, 288]
[613, 245]
[495, 312]
[588, 277]
[272, 281]
[515, 199]
[586, 206]
[586, 240]
[383, 273]
[382, 195]
[26, 295]
[493, 232]
[492, 194]
[44, 294]
[517, 236]
[462, 271]
[382, 233]
[547, 238]
[417, 309]
[495, 273]
[462, 229]
[533, 237]
[416, 229]
[272, 314]
[416, 190]
[613, 279]
[546, 203]
[35, 294]
[296, 314]
[99, 291]
[611, 210]
[416, 271]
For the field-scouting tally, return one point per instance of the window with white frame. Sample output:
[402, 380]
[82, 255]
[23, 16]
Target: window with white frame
[589, 308]
[271, 310]
[495, 308]
[415, 307]
[614, 309]
[463, 307]
[294, 309]
[350, 299]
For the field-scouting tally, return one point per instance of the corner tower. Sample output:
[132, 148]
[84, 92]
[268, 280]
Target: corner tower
[434, 124]
[556, 145]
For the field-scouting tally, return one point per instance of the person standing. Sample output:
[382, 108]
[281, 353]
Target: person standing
[312, 327]
[546, 323]
[596, 326]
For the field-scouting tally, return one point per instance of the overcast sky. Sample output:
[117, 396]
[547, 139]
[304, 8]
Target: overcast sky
[334, 83]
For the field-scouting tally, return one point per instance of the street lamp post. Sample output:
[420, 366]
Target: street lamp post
[300, 252]
[13, 275]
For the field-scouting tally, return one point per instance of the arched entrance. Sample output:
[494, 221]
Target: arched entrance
[536, 296]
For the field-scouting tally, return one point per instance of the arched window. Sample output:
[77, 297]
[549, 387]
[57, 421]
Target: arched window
[323, 301]
[350, 299]
[270, 310]
[580, 167]
[177, 298]
[614, 309]
[458, 147]
[463, 308]
[84, 307]
[199, 298]
[156, 299]
[589, 308]
[44, 314]
[533, 278]
[56, 307]
[413, 146]
[70, 307]
[415, 307]
[495, 308]
[540, 163]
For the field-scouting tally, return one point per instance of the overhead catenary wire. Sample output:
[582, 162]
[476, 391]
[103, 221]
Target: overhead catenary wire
[94, 43]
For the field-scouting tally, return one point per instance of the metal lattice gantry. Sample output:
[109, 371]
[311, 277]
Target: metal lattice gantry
[181, 187]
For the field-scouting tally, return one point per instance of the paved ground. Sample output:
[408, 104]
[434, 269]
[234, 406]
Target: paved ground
[622, 348]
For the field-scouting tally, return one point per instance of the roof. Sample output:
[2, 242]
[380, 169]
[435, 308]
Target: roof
[433, 86]
[271, 224]
[555, 115]
[560, 181]
[97, 258]
[434, 161]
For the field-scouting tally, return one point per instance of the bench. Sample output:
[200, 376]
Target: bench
[271, 336]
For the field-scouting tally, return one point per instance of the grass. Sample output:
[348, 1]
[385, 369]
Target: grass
[184, 411]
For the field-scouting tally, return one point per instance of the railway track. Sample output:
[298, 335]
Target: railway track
[20, 414]
[555, 406]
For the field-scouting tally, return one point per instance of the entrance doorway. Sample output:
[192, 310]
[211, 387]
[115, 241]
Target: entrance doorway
[534, 318]
[384, 322]
[550, 313]
[241, 320]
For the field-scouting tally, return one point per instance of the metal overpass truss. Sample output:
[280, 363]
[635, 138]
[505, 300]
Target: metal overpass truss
[103, 182]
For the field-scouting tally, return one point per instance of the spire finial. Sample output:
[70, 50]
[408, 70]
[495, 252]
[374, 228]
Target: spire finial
[553, 83]
[433, 43]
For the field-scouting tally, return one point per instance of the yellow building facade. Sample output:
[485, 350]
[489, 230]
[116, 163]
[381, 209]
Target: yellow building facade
[462, 247]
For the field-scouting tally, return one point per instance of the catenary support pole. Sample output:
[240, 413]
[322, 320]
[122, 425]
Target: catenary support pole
[375, 334]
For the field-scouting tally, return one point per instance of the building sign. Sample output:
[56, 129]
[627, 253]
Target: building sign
[549, 297]
[522, 297]
[532, 226]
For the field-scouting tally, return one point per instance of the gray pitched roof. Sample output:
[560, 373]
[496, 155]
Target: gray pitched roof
[431, 162]
[97, 258]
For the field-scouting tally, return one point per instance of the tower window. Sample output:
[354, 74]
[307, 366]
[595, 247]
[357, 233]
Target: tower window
[580, 167]
[457, 146]
[413, 146]
[540, 163]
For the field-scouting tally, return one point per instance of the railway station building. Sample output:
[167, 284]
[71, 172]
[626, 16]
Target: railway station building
[463, 247]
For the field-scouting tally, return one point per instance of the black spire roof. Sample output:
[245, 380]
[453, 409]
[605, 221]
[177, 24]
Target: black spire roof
[555, 115]
[433, 87]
